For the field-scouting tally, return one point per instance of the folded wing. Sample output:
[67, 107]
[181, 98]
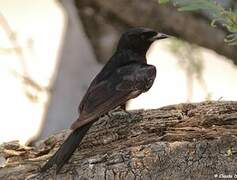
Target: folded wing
[125, 83]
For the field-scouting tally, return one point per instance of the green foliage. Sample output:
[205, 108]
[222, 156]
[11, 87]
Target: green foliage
[163, 1]
[226, 18]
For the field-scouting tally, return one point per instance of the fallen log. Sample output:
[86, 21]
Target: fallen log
[183, 141]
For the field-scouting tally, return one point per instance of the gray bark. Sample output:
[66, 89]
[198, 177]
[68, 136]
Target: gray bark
[184, 141]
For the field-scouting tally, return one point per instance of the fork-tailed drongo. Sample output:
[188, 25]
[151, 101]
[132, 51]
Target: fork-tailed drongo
[125, 76]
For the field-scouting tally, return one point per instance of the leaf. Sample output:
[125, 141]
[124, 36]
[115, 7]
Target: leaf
[227, 18]
[231, 39]
[163, 1]
[190, 8]
[199, 5]
[213, 22]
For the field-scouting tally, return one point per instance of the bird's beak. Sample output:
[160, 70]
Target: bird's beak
[158, 36]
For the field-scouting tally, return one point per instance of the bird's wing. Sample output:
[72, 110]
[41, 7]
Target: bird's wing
[140, 77]
[125, 83]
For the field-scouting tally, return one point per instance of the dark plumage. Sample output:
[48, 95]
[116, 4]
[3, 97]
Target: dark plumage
[125, 76]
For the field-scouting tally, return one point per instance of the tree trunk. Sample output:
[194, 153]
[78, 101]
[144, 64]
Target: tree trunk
[184, 141]
[77, 66]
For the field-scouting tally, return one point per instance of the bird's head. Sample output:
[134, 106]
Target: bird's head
[139, 39]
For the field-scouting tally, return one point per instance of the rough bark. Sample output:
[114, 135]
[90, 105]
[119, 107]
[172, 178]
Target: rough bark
[105, 20]
[184, 141]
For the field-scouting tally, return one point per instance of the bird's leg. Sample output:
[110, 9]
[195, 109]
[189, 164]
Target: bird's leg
[119, 109]
[110, 113]
[123, 108]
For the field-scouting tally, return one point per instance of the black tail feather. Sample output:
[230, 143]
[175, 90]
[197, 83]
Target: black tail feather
[67, 148]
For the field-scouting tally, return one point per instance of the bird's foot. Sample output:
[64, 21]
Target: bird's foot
[119, 111]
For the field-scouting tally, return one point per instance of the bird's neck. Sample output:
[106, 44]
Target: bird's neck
[138, 57]
[134, 56]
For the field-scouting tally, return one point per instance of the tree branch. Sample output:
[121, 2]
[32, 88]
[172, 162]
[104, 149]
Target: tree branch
[102, 17]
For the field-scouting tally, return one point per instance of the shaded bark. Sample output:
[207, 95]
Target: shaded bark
[105, 20]
[183, 141]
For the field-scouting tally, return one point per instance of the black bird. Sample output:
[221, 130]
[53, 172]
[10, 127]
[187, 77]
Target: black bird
[125, 76]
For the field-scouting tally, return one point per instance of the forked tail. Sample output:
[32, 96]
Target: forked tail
[67, 148]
